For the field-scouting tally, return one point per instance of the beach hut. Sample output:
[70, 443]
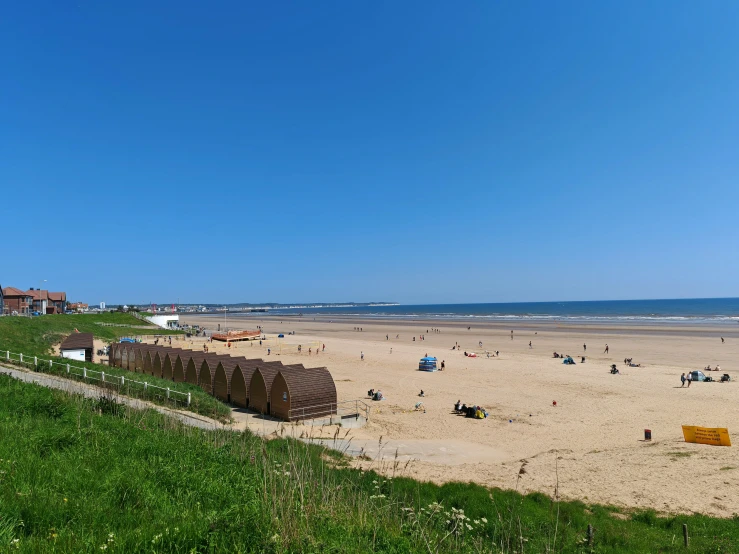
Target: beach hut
[78, 346]
[179, 365]
[303, 393]
[240, 379]
[260, 385]
[222, 379]
[427, 363]
[168, 364]
[208, 369]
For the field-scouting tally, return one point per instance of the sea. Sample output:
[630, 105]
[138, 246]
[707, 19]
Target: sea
[687, 311]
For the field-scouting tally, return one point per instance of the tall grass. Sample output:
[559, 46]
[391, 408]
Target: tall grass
[81, 475]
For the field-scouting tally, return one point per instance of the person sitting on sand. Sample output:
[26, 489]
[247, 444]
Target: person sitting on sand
[555, 355]
[371, 393]
[718, 368]
[583, 359]
[707, 368]
[421, 394]
[458, 406]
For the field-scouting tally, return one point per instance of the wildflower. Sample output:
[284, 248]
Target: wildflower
[287, 473]
[103, 547]
[65, 500]
[377, 496]
[476, 522]
[469, 527]
[111, 535]
[483, 520]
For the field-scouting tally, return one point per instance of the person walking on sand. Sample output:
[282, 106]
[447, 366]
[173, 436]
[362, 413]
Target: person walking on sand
[391, 350]
[682, 380]
[722, 340]
[324, 348]
[530, 345]
[442, 365]
[606, 350]
[511, 334]
[585, 347]
[689, 378]
[361, 355]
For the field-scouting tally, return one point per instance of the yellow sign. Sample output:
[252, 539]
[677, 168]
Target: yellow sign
[716, 436]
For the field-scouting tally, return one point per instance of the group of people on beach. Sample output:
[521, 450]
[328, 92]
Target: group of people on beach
[477, 412]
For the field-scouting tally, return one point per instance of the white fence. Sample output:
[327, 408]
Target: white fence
[93, 375]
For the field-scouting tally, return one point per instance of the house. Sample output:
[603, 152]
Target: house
[58, 302]
[77, 306]
[16, 301]
[78, 346]
[2, 301]
[46, 302]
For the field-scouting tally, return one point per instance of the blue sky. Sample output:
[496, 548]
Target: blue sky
[419, 152]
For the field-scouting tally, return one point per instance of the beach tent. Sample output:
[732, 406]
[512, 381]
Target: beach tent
[427, 364]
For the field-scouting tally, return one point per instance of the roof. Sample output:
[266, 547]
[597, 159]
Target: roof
[38, 294]
[57, 296]
[309, 386]
[77, 341]
[12, 291]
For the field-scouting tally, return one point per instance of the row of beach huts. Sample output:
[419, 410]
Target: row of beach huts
[289, 392]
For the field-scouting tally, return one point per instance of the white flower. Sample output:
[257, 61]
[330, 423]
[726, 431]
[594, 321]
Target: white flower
[469, 527]
[483, 520]
[103, 547]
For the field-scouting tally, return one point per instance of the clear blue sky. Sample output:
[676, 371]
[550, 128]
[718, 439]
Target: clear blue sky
[334, 151]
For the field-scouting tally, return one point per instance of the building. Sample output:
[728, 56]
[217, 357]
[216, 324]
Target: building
[102, 306]
[45, 302]
[78, 346]
[16, 301]
[2, 301]
[77, 306]
[57, 302]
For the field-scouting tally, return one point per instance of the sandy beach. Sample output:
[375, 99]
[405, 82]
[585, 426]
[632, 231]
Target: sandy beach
[590, 445]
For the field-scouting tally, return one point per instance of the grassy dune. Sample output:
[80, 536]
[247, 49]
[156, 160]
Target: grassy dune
[89, 476]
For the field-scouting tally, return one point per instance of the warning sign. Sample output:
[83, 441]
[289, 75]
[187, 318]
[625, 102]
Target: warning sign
[716, 436]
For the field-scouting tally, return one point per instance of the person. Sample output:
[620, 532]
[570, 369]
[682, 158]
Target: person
[718, 368]
[387, 337]
[511, 334]
[397, 336]
[269, 351]
[707, 368]
[689, 378]
[480, 343]
[682, 380]
[585, 347]
[371, 393]
[458, 406]
[361, 354]
[582, 361]
[606, 350]
[310, 350]
[414, 338]
[442, 365]
[391, 350]
[497, 353]
[421, 393]
[530, 345]
[722, 340]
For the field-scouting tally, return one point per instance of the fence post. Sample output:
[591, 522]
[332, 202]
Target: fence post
[102, 373]
[145, 385]
[123, 380]
[167, 392]
[51, 364]
[84, 372]
[67, 368]
[35, 361]
[21, 357]
[7, 354]
[188, 398]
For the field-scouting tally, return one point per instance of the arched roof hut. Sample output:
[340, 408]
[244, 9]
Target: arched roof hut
[303, 393]
[260, 385]
[223, 380]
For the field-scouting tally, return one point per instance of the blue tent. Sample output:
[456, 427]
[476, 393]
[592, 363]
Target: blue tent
[427, 364]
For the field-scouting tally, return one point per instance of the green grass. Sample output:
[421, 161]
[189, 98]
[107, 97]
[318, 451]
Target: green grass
[36, 336]
[82, 475]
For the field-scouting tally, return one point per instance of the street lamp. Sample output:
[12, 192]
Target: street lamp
[225, 321]
[42, 311]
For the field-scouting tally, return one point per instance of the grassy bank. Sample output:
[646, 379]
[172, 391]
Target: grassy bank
[36, 337]
[88, 476]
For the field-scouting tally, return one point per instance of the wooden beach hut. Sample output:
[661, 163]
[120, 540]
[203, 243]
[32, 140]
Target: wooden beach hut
[303, 393]
[240, 379]
[168, 364]
[222, 378]
[260, 385]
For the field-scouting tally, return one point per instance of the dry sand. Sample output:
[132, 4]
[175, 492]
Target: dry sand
[590, 445]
